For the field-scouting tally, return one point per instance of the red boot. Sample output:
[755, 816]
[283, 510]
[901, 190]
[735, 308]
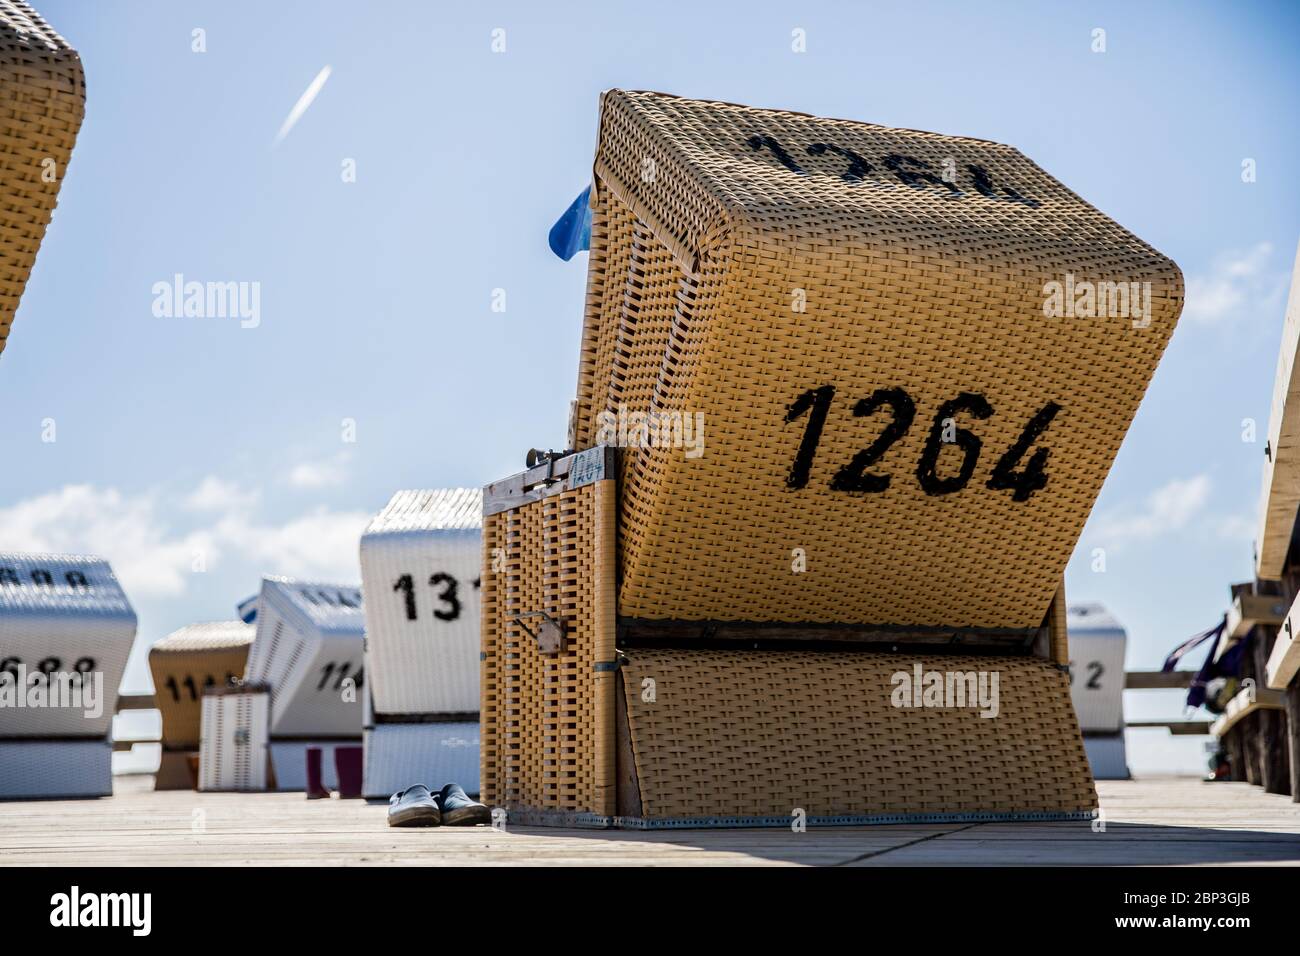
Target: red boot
[315, 788]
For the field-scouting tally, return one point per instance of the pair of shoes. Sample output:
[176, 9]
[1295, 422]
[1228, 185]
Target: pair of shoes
[418, 806]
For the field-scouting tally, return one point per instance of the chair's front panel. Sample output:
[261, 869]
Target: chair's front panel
[547, 715]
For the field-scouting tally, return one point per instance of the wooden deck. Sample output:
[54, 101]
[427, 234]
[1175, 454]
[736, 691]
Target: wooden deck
[1154, 822]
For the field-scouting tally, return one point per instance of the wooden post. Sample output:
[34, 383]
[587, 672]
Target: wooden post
[1270, 731]
[1232, 740]
[1248, 728]
[1293, 736]
[1273, 744]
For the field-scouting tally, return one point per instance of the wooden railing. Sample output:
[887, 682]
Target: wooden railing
[1157, 680]
[126, 702]
[1165, 680]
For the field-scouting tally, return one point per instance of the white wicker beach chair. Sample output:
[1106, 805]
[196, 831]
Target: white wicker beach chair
[420, 567]
[309, 650]
[64, 617]
[1097, 643]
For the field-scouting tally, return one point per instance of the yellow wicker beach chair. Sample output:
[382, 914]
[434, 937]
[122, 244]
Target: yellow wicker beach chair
[183, 664]
[865, 385]
[45, 95]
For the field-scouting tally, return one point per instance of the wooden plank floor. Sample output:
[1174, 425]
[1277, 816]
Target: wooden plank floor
[1155, 822]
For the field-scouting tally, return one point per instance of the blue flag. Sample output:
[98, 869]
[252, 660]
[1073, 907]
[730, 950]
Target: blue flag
[572, 233]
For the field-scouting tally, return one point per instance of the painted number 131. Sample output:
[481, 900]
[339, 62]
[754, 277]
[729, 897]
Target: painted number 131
[447, 590]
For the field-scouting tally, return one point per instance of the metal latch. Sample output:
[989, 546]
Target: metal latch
[549, 637]
[536, 458]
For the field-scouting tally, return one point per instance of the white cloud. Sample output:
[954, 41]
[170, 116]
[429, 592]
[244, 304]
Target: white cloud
[1240, 285]
[1170, 507]
[320, 474]
[214, 494]
[322, 544]
[82, 519]
[154, 560]
[1237, 528]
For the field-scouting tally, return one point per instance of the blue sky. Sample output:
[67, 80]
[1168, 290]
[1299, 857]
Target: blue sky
[181, 436]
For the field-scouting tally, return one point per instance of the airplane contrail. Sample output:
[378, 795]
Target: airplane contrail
[304, 101]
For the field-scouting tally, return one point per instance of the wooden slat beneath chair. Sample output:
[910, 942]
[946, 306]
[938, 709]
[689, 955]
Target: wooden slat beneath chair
[123, 746]
[1284, 661]
[136, 702]
[1249, 610]
[1157, 680]
[1245, 703]
[1179, 728]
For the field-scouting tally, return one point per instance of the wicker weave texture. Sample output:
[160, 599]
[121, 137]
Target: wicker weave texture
[762, 733]
[186, 661]
[1107, 757]
[491, 632]
[1058, 629]
[398, 755]
[45, 97]
[547, 720]
[724, 283]
[39, 769]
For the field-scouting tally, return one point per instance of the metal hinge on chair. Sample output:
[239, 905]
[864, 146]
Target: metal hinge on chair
[536, 457]
[549, 637]
[603, 667]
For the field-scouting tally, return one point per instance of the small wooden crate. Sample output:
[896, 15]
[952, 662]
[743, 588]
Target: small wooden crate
[233, 752]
